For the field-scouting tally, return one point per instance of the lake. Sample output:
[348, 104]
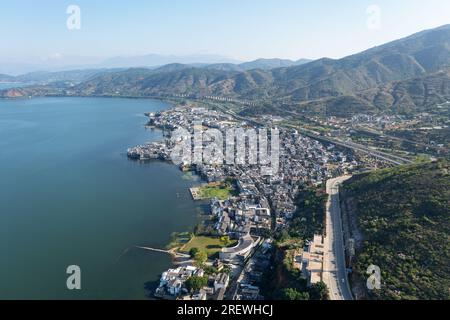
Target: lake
[70, 196]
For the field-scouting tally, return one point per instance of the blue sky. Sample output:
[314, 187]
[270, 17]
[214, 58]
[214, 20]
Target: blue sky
[240, 29]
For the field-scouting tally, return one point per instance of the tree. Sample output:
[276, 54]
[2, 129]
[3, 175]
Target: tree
[282, 236]
[293, 294]
[318, 291]
[227, 270]
[201, 257]
[195, 283]
[209, 270]
[193, 252]
[225, 240]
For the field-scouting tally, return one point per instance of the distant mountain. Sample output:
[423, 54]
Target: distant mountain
[414, 56]
[185, 80]
[225, 67]
[53, 63]
[162, 81]
[72, 75]
[406, 75]
[60, 62]
[171, 68]
[409, 96]
[400, 221]
[6, 78]
[412, 95]
[154, 60]
[352, 81]
[263, 64]
[268, 64]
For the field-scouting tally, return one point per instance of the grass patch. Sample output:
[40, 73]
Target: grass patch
[221, 191]
[212, 246]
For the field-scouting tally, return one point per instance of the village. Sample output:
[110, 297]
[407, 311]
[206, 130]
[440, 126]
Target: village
[258, 204]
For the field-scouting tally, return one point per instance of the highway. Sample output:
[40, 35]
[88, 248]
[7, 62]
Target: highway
[334, 268]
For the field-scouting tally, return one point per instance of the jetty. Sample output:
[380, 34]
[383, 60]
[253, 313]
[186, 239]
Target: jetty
[196, 193]
[172, 252]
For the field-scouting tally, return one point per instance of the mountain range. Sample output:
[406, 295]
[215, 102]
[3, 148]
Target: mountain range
[263, 64]
[155, 60]
[145, 62]
[407, 75]
[65, 64]
[60, 62]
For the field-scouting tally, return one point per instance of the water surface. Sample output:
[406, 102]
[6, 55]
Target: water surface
[69, 196]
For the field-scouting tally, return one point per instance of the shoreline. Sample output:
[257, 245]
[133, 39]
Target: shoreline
[169, 100]
[129, 189]
[174, 251]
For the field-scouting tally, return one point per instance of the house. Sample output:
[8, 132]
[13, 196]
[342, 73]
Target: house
[218, 265]
[312, 260]
[172, 281]
[221, 281]
[174, 287]
[220, 294]
[247, 292]
[224, 224]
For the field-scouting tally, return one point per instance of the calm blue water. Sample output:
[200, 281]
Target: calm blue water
[7, 85]
[69, 195]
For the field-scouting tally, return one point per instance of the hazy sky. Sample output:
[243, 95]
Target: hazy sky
[240, 29]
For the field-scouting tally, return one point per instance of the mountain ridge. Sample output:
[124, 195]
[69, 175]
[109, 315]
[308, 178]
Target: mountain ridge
[395, 76]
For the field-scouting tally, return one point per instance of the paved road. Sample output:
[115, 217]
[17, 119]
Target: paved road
[335, 273]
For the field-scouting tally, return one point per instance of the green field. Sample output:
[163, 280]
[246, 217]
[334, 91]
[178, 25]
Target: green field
[221, 192]
[210, 245]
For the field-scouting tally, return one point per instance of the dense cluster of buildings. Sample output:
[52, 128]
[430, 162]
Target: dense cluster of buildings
[302, 160]
[173, 284]
[262, 202]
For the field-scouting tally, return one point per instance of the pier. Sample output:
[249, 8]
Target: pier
[171, 252]
[196, 194]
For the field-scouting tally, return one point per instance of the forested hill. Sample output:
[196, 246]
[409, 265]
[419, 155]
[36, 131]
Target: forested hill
[402, 219]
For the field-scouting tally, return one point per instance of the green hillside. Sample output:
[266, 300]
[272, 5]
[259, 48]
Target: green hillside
[402, 224]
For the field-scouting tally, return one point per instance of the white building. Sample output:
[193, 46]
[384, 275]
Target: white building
[312, 260]
[222, 280]
[238, 252]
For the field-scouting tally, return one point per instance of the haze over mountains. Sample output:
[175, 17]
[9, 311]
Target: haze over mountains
[59, 62]
[155, 60]
[150, 62]
[263, 64]
[62, 63]
[406, 75]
